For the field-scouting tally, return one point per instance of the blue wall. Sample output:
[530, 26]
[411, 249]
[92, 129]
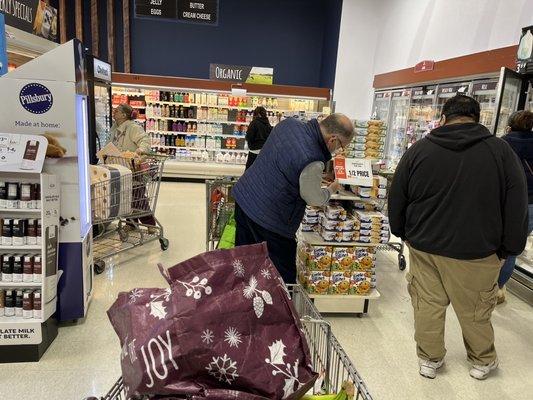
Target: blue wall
[298, 38]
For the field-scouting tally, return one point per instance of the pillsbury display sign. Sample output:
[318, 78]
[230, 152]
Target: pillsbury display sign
[36, 98]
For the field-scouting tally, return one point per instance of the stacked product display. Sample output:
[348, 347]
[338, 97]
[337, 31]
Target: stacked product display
[369, 139]
[203, 126]
[337, 245]
[336, 270]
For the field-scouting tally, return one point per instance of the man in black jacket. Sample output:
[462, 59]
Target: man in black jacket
[459, 200]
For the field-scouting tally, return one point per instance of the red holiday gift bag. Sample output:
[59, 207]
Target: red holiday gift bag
[226, 328]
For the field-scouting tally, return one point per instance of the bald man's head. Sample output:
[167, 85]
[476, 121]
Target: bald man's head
[337, 129]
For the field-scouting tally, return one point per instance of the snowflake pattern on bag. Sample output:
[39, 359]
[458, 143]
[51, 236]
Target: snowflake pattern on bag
[224, 369]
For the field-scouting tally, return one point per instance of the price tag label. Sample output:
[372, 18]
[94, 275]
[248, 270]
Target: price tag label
[353, 171]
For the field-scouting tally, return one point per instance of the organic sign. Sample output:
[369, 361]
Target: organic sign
[242, 74]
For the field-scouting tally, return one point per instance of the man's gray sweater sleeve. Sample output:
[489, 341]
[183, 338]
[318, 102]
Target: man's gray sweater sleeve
[310, 185]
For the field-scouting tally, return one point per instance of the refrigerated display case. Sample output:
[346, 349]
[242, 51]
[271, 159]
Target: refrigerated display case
[445, 91]
[421, 113]
[100, 115]
[201, 124]
[381, 107]
[511, 96]
[396, 133]
[485, 93]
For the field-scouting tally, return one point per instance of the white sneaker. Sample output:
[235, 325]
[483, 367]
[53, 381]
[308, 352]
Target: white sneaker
[481, 372]
[428, 368]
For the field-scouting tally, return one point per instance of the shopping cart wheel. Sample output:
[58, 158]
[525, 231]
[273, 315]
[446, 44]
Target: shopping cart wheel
[402, 264]
[164, 243]
[99, 267]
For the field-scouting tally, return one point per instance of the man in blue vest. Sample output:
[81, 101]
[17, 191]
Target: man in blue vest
[272, 194]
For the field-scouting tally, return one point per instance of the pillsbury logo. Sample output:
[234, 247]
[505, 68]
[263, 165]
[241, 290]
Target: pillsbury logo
[36, 98]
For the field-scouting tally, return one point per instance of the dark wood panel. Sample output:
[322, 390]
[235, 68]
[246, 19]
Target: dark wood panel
[79, 19]
[174, 82]
[127, 40]
[111, 34]
[62, 21]
[95, 34]
[484, 62]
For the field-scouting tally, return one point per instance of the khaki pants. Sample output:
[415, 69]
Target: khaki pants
[471, 287]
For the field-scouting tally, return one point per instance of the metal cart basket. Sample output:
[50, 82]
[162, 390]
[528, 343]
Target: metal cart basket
[395, 246]
[220, 207]
[328, 357]
[120, 205]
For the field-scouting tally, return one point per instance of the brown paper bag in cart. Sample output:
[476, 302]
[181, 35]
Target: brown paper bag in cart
[225, 328]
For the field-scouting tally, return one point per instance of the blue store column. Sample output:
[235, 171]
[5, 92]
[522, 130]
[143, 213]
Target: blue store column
[3, 46]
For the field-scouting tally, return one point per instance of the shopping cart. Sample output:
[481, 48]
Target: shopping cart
[395, 246]
[121, 206]
[220, 207]
[328, 357]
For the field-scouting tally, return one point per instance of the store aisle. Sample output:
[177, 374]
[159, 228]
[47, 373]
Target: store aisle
[84, 360]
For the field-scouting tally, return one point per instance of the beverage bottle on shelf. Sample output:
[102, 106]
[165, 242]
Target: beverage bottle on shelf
[275, 103]
[186, 97]
[194, 127]
[190, 113]
[181, 112]
[161, 96]
[174, 126]
[175, 97]
[269, 102]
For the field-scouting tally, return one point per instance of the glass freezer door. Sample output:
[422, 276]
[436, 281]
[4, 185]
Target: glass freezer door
[421, 113]
[485, 93]
[381, 107]
[508, 94]
[396, 135]
[446, 91]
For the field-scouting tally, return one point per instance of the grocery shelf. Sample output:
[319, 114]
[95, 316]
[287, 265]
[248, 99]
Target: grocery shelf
[352, 304]
[172, 118]
[315, 239]
[39, 247]
[195, 134]
[136, 94]
[20, 210]
[346, 195]
[372, 295]
[20, 284]
[221, 106]
[201, 170]
[138, 107]
[18, 320]
[224, 122]
[203, 148]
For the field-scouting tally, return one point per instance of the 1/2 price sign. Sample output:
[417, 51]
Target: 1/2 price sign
[353, 171]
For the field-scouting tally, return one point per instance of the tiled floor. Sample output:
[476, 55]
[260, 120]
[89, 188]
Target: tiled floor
[84, 359]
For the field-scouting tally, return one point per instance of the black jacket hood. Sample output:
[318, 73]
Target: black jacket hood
[263, 120]
[458, 137]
